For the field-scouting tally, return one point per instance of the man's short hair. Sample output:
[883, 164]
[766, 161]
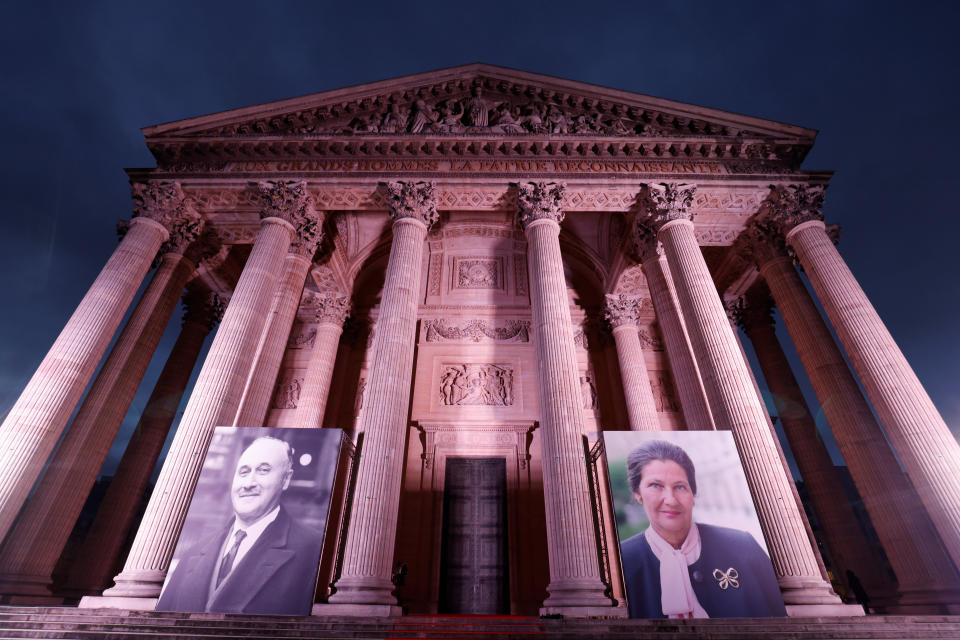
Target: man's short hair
[287, 447]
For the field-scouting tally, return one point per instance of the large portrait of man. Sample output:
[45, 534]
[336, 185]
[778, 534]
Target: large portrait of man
[690, 540]
[252, 538]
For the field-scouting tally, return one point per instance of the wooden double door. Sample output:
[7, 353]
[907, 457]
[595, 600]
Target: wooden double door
[474, 561]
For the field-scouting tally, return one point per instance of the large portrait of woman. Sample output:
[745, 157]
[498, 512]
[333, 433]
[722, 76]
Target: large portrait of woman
[690, 541]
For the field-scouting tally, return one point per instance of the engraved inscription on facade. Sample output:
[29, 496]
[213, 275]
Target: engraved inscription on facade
[476, 384]
[477, 330]
[477, 273]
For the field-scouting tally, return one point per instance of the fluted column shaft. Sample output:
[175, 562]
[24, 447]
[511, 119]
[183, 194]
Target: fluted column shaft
[37, 419]
[574, 573]
[844, 538]
[32, 548]
[622, 313]
[329, 311]
[693, 400]
[901, 524]
[368, 557]
[735, 404]
[94, 567]
[263, 377]
[923, 441]
[641, 407]
[214, 401]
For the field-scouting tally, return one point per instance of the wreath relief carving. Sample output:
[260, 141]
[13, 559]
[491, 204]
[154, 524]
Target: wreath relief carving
[476, 384]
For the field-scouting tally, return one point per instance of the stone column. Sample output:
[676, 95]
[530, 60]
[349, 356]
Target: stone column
[735, 404]
[94, 568]
[575, 587]
[35, 543]
[216, 395]
[368, 557]
[36, 421]
[904, 528]
[623, 314]
[930, 453]
[842, 535]
[328, 311]
[686, 376]
[276, 333]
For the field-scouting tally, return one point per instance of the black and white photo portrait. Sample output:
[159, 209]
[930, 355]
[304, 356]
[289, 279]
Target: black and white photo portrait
[253, 535]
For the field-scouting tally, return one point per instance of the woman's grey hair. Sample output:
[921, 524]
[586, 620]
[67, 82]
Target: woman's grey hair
[652, 450]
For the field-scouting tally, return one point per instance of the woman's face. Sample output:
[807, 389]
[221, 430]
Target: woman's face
[667, 498]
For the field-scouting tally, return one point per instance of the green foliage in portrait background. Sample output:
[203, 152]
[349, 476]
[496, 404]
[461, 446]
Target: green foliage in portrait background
[631, 518]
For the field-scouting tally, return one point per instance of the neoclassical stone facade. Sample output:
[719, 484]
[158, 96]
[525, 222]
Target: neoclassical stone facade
[482, 264]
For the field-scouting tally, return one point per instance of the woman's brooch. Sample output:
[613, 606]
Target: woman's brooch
[730, 578]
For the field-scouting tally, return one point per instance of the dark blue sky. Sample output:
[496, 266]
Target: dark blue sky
[879, 82]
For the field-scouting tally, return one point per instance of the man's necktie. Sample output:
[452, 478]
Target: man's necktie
[226, 565]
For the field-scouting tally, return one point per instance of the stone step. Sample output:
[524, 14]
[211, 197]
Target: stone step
[75, 624]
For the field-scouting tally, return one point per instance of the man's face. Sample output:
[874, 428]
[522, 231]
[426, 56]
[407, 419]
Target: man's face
[262, 475]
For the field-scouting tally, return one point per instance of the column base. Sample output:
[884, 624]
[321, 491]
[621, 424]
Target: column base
[137, 584]
[807, 591]
[824, 610]
[584, 612]
[118, 602]
[577, 593]
[364, 591]
[357, 610]
[16, 584]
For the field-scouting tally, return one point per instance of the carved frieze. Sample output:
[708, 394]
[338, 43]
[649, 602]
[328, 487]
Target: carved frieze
[437, 330]
[482, 106]
[476, 384]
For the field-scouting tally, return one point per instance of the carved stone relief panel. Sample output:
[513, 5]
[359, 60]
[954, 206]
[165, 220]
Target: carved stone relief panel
[302, 337]
[520, 274]
[476, 384]
[287, 394]
[588, 391]
[663, 392]
[476, 330]
[477, 272]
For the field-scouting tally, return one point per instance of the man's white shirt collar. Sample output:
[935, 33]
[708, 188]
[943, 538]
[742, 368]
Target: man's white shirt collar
[253, 531]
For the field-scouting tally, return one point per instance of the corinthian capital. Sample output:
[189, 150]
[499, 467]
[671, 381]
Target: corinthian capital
[790, 205]
[292, 202]
[620, 310]
[755, 309]
[162, 201]
[540, 201]
[412, 200]
[664, 202]
[760, 242]
[203, 307]
[645, 243]
[324, 307]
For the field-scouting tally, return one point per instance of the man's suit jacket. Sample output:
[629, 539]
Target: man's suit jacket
[278, 574]
[757, 593]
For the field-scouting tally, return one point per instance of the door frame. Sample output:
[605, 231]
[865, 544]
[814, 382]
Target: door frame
[508, 441]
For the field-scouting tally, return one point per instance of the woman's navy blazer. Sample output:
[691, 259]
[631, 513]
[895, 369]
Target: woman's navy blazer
[756, 594]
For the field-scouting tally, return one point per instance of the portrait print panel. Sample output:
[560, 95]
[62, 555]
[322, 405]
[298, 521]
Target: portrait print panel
[252, 537]
[690, 540]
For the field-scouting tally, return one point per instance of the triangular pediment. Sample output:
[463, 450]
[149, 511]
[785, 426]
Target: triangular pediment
[478, 100]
